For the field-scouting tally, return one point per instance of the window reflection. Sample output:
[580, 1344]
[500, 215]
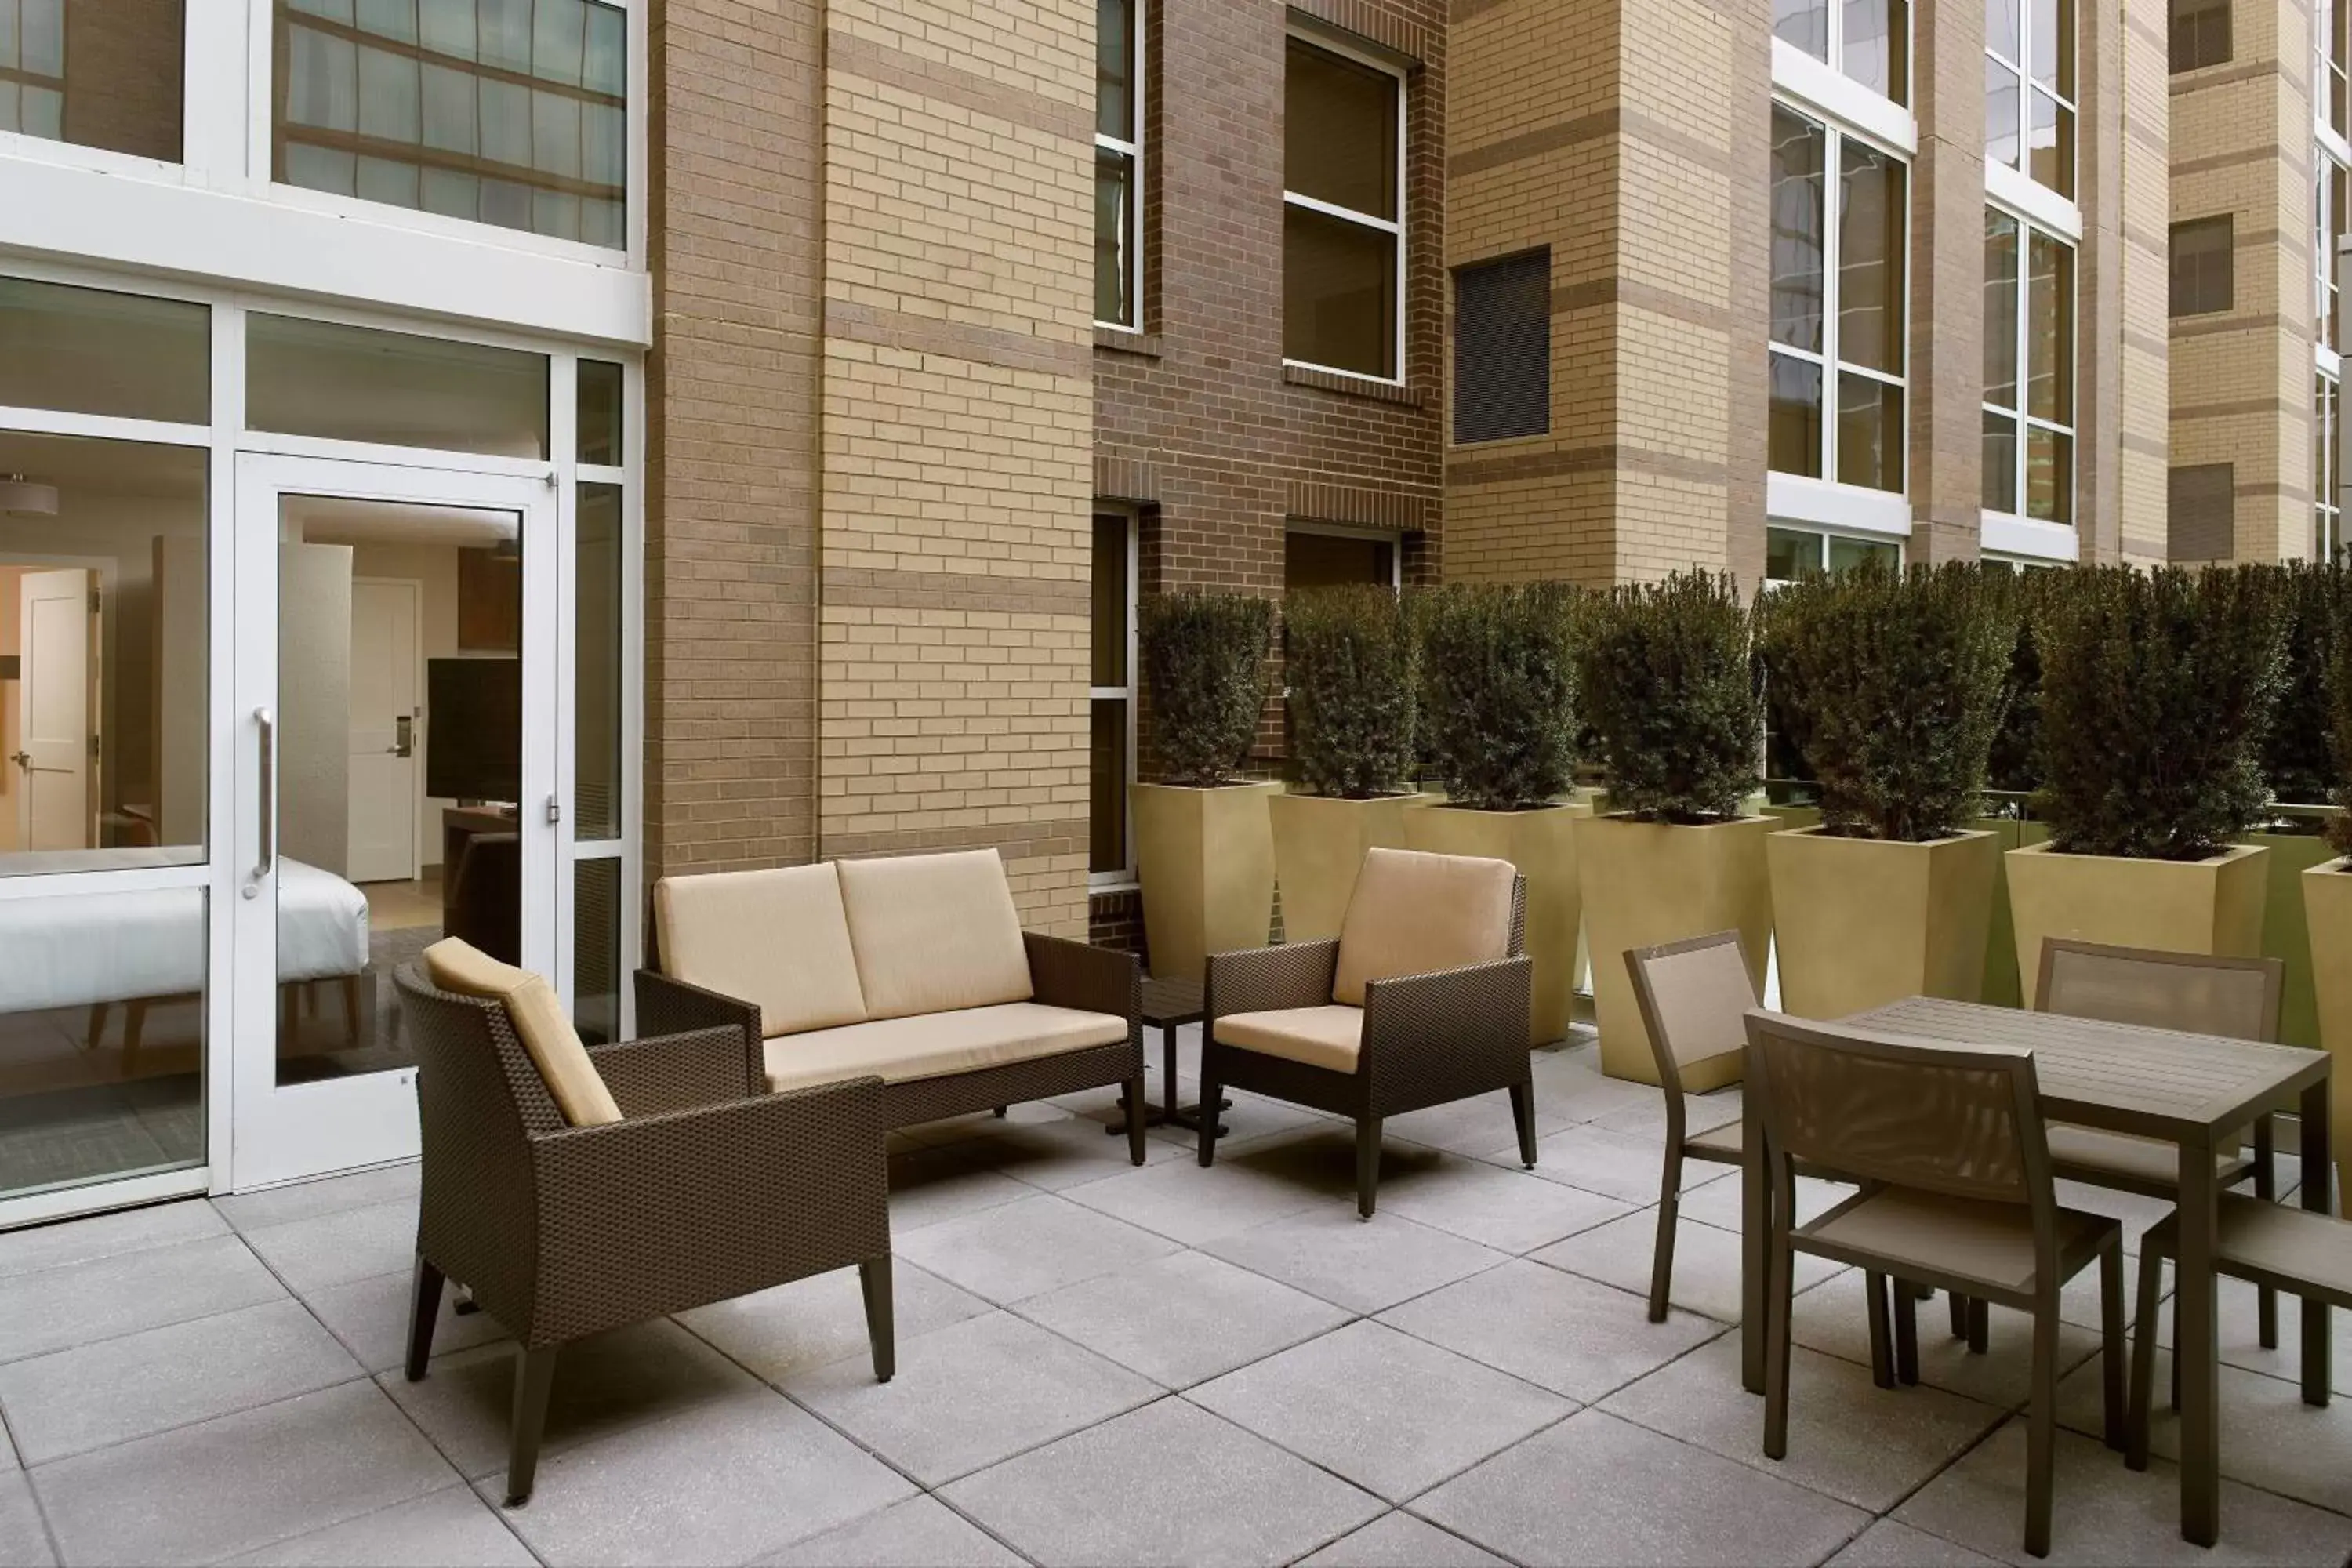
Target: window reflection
[96, 73]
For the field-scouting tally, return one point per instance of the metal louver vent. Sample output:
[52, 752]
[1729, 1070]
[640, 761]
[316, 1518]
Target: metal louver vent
[1502, 349]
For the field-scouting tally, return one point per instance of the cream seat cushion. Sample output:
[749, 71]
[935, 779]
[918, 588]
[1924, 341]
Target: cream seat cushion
[1416, 913]
[933, 1045]
[1331, 1035]
[934, 932]
[777, 939]
[539, 1022]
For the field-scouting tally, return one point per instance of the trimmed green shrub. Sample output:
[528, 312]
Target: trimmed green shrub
[2296, 753]
[1204, 658]
[2157, 690]
[1499, 690]
[1671, 694]
[1351, 665]
[2015, 765]
[1899, 682]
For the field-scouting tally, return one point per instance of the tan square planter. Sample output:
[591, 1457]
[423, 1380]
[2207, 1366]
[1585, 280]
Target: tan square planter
[1648, 882]
[1542, 844]
[1861, 922]
[2211, 906]
[1319, 842]
[2327, 905]
[1205, 857]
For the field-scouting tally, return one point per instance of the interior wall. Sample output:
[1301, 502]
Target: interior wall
[435, 566]
[9, 776]
[314, 637]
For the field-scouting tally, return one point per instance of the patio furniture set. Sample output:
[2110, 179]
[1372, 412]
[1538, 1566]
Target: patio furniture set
[795, 1017]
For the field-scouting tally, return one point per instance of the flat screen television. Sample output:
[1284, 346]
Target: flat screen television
[473, 718]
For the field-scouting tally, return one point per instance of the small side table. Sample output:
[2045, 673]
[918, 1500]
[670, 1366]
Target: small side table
[1168, 1006]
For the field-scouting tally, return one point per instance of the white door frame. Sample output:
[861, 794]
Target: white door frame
[417, 641]
[281, 1133]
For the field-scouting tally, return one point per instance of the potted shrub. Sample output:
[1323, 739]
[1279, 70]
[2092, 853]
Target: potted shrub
[1899, 682]
[2327, 888]
[1349, 661]
[1204, 846]
[1498, 714]
[2295, 763]
[1670, 690]
[2156, 688]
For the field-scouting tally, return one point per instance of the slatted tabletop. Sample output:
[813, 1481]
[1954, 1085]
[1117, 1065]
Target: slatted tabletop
[2121, 1077]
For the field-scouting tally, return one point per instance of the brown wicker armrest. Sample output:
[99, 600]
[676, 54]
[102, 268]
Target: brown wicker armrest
[1474, 1014]
[1267, 978]
[1066, 973]
[676, 1072]
[666, 1005]
[656, 1213]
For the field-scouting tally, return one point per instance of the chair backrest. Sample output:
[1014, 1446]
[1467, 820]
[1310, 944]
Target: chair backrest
[1961, 1122]
[1414, 913]
[934, 933]
[777, 937]
[2196, 993]
[1694, 996]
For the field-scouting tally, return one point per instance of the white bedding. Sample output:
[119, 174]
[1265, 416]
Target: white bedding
[83, 949]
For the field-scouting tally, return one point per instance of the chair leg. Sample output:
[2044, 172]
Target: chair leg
[134, 1031]
[1881, 1358]
[2111, 1342]
[424, 1310]
[1959, 1309]
[1979, 1325]
[97, 1025]
[2143, 1366]
[2042, 1429]
[2266, 1189]
[1662, 1256]
[881, 1331]
[1523, 1113]
[1368, 1162]
[1776, 1349]
[1000, 1113]
[534, 1376]
[1906, 1334]
[1137, 1106]
[352, 1008]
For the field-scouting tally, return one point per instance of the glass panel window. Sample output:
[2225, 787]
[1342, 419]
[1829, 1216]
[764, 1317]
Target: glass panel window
[1115, 230]
[94, 73]
[2029, 442]
[1804, 25]
[2329, 194]
[1111, 710]
[1845, 554]
[596, 655]
[510, 112]
[1875, 44]
[1343, 233]
[2331, 32]
[1792, 553]
[1793, 436]
[1869, 433]
[1799, 227]
[1311, 560]
[2326, 402]
[596, 966]
[1118, 162]
[91, 351]
[2200, 32]
[2203, 266]
[2030, 48]
[356, 384]
[600, 414]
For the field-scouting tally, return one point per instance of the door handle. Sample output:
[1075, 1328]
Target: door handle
[266, 726]
[22, 759]
[403, 732]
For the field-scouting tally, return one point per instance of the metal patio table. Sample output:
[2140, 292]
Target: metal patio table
[1169, 1005]
[2198, 1092]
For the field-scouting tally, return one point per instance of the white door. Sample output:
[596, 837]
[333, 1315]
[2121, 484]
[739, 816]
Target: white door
[58, 730]
[383, 714]
[323, 1072]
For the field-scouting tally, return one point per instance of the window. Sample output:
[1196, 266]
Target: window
[1119, 164]
[1871, 42]
[1111, 853]
[1502, 349]
[2326, 430]
[1840, 325]
[2200, 32]
[1329, 558]
[2200, 506]
[1343, 212]
[1791, 554]
[92, 351]
[420, 390]
[2202, 270]
[2030, 90]
[100, 75]
[2331, 34]
[511, 112]
[2328, 202]
[2029, 353]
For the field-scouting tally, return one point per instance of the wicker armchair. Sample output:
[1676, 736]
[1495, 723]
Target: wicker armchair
[710, 1187]
[1278, 1022]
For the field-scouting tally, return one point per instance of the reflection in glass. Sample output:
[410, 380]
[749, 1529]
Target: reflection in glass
[597, 659]
[1804, 25]
[1870, 433]
[1339, 130]
[2051, 138]
[91, 351]
[2003, 110]
[1870, 259]
[356, 384]
[1798, 219]
[1878, 46]
[1788, 555]
[1107, 786]
[2049, 475]
[1114, 69]
[104, 654]
[1110, 600]
[2052, 52]
[2000, 308]
[599, 435]
[1338, 296]
[1793, 435]
[2005, 27]
[596, 949]
[94, 73]
[2050, 334]
[1845, 554]
[1115, 230]
[1999, 462]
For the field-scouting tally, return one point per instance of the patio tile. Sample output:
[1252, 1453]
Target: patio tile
[2135, 1211]
[1183, 1318]
[1856, 1442]
[2241, 1334]
[1637, 1498]
[123, 1292]
[1386, 1411]
[1364, 1267]
[24, 1542]
[1181, 1201]
[1168, 1483]
[93, 1395]
[1615, 1164]
[935, 1184]
[2104, 1514]
[308, 1200]
[1480, 1125]
[229, 1485]
[2270, 1437]
[603, 1384]
[1888, 1544]
[370, 1318]
[1581, 1094]
[921, 1530]
[1398, 1540]
[1557, 1330]
[1022, 1249]
[1706, 1262]
[107, 1235]
[969, 1395]
[448, 1529]
[1717, 1203]
[728, 1480]
[1250, 1118]
[1648, 1119]
[814, 1322]
[1829, 1318]
[1052, 1147]
[329, 1249]
[1499, 1208]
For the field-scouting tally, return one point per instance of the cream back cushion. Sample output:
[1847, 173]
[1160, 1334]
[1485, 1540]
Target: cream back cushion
[777, 939]
[934, 932]
[1414, 913]
[539, 1022]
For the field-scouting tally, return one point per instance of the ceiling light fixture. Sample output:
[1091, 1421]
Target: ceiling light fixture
[21, 497]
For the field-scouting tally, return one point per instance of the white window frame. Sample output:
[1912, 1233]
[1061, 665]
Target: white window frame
[2016, 533]
[2328, 446]
[2331, 160]
[1388, 536]
[1124, 878]
[2327, 24]
[1775, 523]
[1132, 151]
[1330, 44]
[1825, 82]
[2027, 87]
